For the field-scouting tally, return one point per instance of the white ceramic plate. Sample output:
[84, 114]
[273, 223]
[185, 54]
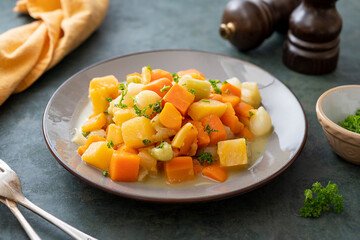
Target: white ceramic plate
[285, 143]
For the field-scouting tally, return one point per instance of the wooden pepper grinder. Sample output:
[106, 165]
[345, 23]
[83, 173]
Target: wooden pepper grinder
[312, 45]
[247, 23]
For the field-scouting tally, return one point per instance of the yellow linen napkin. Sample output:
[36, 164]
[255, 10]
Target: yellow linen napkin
[28, 51]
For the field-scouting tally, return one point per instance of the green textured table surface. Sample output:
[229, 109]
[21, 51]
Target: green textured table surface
[269, 212]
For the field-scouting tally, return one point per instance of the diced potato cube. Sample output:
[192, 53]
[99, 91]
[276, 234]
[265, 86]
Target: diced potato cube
[201, 88]
[250, 94]
[200, 109]
[136, 130]
[145, 98]
[122, 115]
[98, 154]
[132, 90]
[94, 123]
[114, 134]
[232, 152]
[260, 122]
[100, 89]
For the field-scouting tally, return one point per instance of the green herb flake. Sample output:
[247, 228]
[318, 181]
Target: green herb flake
[161, 145]
[251, 113]
[156, 106]
[121, 105]
[110, 144]
[85, 134]
[106, 111]
[325, 198]
[122, 86]
[227, 91]
[214, 83]
[192, 91]
[205, 157]
[148, 67]
[165, 88]
[146, 142]
[225, 82]
[109, 99]
[352, 122]
[208, 129]
[175, 77]
[205, 100]
[105, 173]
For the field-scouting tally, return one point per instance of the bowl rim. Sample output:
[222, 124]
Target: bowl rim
[329, 122]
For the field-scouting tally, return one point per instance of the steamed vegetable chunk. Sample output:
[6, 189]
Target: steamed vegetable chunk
[181, 126]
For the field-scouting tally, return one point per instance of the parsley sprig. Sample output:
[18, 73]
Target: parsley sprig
[325, 198]
[110, 144]
[175, 77]
[352, 122]
[208, 129]
[205, 157]
[214, 83]
[156, 108]
[146, 142]
[120, 104]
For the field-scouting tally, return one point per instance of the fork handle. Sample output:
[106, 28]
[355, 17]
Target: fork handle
[24, 223]
[73, 232]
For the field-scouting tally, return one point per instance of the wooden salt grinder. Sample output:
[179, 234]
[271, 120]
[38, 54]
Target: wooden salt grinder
[247, 23]
[312, 45]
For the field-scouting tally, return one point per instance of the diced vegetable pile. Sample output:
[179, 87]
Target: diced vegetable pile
[181, 124]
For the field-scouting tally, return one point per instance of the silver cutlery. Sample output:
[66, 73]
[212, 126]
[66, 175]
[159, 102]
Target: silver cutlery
[10, 188]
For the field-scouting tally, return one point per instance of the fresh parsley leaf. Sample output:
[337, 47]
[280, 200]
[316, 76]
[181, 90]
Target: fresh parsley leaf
[214, 83]
[225, 82]
[192, 91]
[251, 113]
[110, 144]
[208, 129]
[109, 99]
[161, 145]
[227, 91]
[156, 107]
[165, 88]
[205, 100]
[121, 105]
[148, 67]
[105, 173]
[85, 134]
[352, 122]
[146, 142]
[325, 198]
[106, 111]
[122, 86]
[205, 157]
[175, 77]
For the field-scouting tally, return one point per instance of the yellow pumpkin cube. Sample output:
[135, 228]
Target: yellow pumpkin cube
[185, 136]
[96, 122]
[232, 152]
[137, 132]
[98, 155]
[100, 90]
[200, 109]
[114, 134]
[122, 115]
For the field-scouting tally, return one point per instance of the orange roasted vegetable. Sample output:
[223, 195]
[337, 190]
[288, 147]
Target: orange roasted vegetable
[193, 73]
[170, 117]
[215, 172]
[159, 73]
[124, 167]
[203, 138]
[231, 120]
[246, 133]
[160, 86]
[95, 123]
[228, 88]
[180, 98]
[90, 140]
[179, 169]
[243, 109]
[214, 127]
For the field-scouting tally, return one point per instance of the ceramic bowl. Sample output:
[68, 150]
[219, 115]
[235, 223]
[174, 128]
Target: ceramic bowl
[334, 106]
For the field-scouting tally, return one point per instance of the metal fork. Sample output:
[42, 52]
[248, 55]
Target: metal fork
[10, 188]
[24, 223]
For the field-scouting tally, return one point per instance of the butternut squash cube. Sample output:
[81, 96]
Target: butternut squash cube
[114, 134]
[95, 123]
[98, 155]
[136, 130]
[200, 109]
[100, 89]
[232, 152]
[124, 167]
[179, 169]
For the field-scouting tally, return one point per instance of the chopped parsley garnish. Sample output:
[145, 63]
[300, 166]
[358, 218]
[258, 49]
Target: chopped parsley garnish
[205, 157]
[192, 91]
[352, 122]
[141, 112]
[110, 144]
[205, 100]
[175, 77]
[225, 82]
[214, 83]
[105, 173]
[121, 105]
[85, 134]
[148, 67]
[325, 198]
[109, 99]
[157, 106]
[227, 91]
[146, 142]
[161, 145]
[122, 86]
[208, 129]
[251, 113]
[106, 111]
[165, 88]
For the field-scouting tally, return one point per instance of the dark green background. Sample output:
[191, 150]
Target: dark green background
[270, 212]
